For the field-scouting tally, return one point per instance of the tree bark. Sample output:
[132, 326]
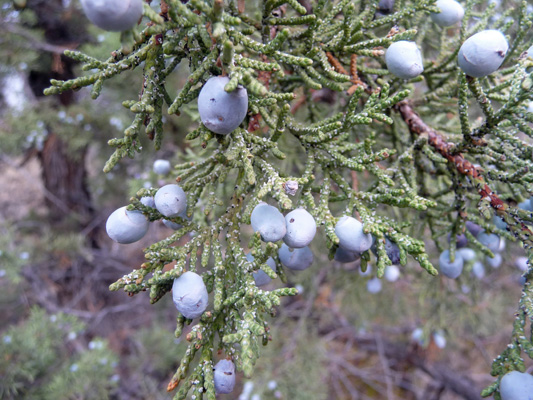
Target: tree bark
[64, 172]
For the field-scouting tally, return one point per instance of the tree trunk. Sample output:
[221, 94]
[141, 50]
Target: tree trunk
[65, 177]
[64, 172]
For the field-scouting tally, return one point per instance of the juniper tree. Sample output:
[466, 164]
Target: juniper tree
[328, 129]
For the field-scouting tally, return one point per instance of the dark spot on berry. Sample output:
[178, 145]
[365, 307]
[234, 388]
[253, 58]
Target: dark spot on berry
[292, 220]
[228, 373]
[213, 100]
[220, 118]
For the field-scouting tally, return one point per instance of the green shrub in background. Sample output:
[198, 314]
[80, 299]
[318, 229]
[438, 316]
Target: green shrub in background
[39, 359]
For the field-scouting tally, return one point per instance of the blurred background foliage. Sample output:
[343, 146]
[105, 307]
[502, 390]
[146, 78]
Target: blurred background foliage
[64, 336]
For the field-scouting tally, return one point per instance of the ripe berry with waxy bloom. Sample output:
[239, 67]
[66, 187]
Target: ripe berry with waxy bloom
[351, 235]
[295, 259]
[170, 200]
[269, 222]
[346, 256]
[148, 201]
[439, 339]
[220, 111]
[113, 15]
[483, 53]
[478, 270]
[491, 240]
[451, 269]
[500, 223]
[473, 228]
[301, 228]
[450, 13]
[125, 226]
[174, 225]
[495, 261]
[467, 253]
[374, 285]
[224, 376]
[162, 167]
[516, 386]
[190, 295]
[404, 59]
[391, 248]
[392, 273]
[260, 276]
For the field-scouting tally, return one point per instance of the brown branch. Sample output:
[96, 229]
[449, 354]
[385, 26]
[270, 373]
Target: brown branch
[34, 43]
[438, 142]
[446, 377]
[336, 63]
[353, 66]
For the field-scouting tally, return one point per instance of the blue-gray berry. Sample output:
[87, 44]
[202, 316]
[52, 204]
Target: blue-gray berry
[500, 223]
[295, 259]
[473, 228]
[113, 15]
[526, 205]
[367, 272]
[483, 53]
[174, 225]
[521, 263]
[439, 339]
[491, 240]
[392, 273]
[148, 201]
[346, 256]
[460, 240]
[260, 277]
[450, 13]
[495, 261]
[170, 200]
[467, 253]
[125, 226]
[516, 386]
[392, 249]
[351, 235]
[404, 59]
[269, 222]
[190, 295]
[447, 267]
[301, 228]
[374, 285]
[224, 376]
[221, 112]
[385, 7]
[478, 270]
[417, 336]
[162, 167]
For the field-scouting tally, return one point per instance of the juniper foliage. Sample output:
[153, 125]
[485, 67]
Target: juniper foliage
[409, 157]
